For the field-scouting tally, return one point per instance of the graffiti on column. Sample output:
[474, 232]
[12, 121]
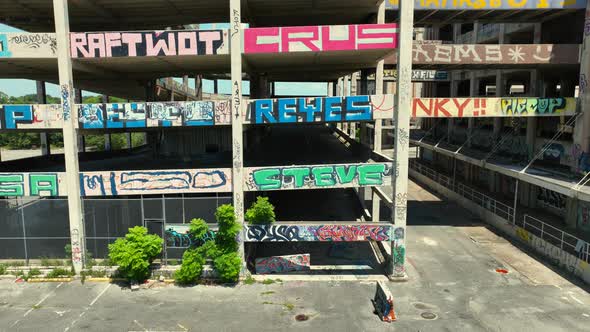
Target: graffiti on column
[320, 38]
[317, 176]
[282, 264]
[583, 216]
[151, 43]
[491, 4]
[65, 101]
[473, 54]
[492, 107]
[321, 232]
[154, 182]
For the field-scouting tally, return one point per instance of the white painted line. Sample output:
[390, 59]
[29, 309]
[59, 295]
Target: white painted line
[575, 299]
[43, 299]
[585, 315]
[99, 295]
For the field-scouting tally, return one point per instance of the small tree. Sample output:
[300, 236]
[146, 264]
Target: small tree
[228, 266]
[135, 253]
[228, 229]
[261, 212]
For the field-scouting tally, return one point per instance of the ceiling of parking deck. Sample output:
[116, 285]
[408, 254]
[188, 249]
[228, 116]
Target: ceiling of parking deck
[117, 15]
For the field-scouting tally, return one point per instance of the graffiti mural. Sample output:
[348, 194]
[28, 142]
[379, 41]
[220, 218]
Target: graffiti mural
[149, 43]
[320, 38]
[142, 115]
[13, 117]
[281, 264]
[551, 199]
[491, 107]
[27, 45]
[473, 54]
[328, 109]
[489, 4]
[32, 184]
[317, 176]
[418, 75]
[177, 236]
[319, 232]
[154, 182]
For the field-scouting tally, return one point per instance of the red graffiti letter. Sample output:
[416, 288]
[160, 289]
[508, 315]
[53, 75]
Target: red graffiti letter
[338, 43]
[439, 104]
[376, 36]
[418, 101]
[254, 44]
[461, 107]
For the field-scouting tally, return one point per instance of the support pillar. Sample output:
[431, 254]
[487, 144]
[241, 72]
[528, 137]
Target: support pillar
[75, 206]
[345, 91]
[198, 87]
[378, 124]
[42, 99]
[237, 125]
[403, 101]
[353, 92]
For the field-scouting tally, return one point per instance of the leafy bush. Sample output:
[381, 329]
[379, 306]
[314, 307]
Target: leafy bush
[2, 269]
[59, 272]
[135, 253]
[228, 266]
[33, 273]
[198, 229]
[191, 269]
[209, 250]
[228, 229]
[261, 212]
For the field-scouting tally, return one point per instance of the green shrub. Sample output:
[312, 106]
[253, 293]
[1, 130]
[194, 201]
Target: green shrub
[135, 253]
[209, 250]
[59, 272]
[228, 266]
[261, 212]
[191, 269]
[228, 229]
[198, 228]
[2, 269]
[33, 273]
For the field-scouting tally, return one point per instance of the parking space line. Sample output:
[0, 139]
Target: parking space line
[100, 294]
[36, 306]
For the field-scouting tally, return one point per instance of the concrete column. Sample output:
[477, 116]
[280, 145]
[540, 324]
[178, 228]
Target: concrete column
[531, 128]
[345, 93]
[42, 99]
[215, 86]
[185, 83]
[199, 87]
[107, 137]
[330, 89]
[338, 92]
[403, 100]
[378, 126]
[353, 92]
[456, 32]
[129, 141]
[237, 125]
[75, 206]
[473, 92]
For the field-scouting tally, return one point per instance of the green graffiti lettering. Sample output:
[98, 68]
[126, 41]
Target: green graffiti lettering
[298, 173]
[343, 175]
[371, 174]
[43, 183]
[267, 179]
[324, 176]
[11, 185]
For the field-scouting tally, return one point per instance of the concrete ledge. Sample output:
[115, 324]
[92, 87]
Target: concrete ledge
[68, 279]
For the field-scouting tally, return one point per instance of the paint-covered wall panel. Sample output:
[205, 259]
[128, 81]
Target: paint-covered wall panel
[148, 43]
[27, 45]
[490, 4]
[323, 232]
[14, 117]
[320, 38]
[317, 176]
[492, 54]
